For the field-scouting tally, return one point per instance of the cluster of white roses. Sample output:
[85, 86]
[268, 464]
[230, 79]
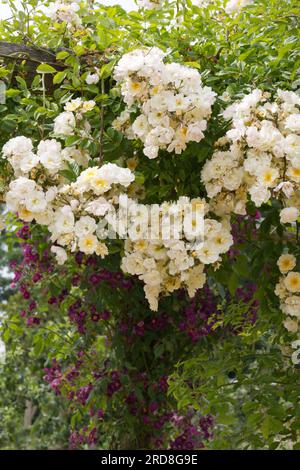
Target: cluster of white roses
[73, 118]
[234, 6]
[168, 264]
[173, 105]
[72, 211]
[65, 11]
[154, 4]
[150, 4]
[165, 260]
[259, 156]
[49, 157]
[40, 192]
[288, 291]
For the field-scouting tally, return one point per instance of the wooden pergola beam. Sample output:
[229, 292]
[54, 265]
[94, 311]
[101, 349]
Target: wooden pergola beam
[32, 56]
[18, 51]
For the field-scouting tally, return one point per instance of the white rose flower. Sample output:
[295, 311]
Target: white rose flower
[292, 282]
[151, 152]
[296, 354]
[17, 146]
[88, 106]
[98, 207]
[149, 4]
[291, 306]
[35, 201]
[292, 147]
[92, 79]
[115, 174]
[73, 105]
[49, 153]
[208, 254]
[86, 225]
[286, 263]
[102, 250]
[25, 215]
[195, 131]
[29, 161]
[88, 244]
[294, 174]
[140, 126]
[268, 177]
[60, 253]
[222, 241]
[51, 194]
[289, 215]
[19, 153]
[63, 222]
[93, 179]
[291, 325]
[151, 278]
[259, 194]
[45, 217]
[64, 124]
[292, 123]
[286, 187]
[22, 186]
[65, 12]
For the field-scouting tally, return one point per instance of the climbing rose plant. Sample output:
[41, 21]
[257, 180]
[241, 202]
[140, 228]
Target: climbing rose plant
[185, 339]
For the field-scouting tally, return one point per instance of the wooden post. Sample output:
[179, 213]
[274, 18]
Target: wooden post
[27, 59]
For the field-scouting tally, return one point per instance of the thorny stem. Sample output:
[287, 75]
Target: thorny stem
[284, 168]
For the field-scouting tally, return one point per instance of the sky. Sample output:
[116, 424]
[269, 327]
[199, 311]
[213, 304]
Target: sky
[126, 4]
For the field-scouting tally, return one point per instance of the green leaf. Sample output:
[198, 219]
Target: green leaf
[59, 77]
[45, 68]
[265, 428]
[22, 83]
[106, 69]
[62, 55]
[195, 65]
[69, 175]
[11, 92]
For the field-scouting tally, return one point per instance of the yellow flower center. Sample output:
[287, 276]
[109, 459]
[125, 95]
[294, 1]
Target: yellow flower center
[100, 182]
[88, 242]
[135, 86]
[268, 177]
[24, 212]
[286, 264]
[295, 281]
[296, 172]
